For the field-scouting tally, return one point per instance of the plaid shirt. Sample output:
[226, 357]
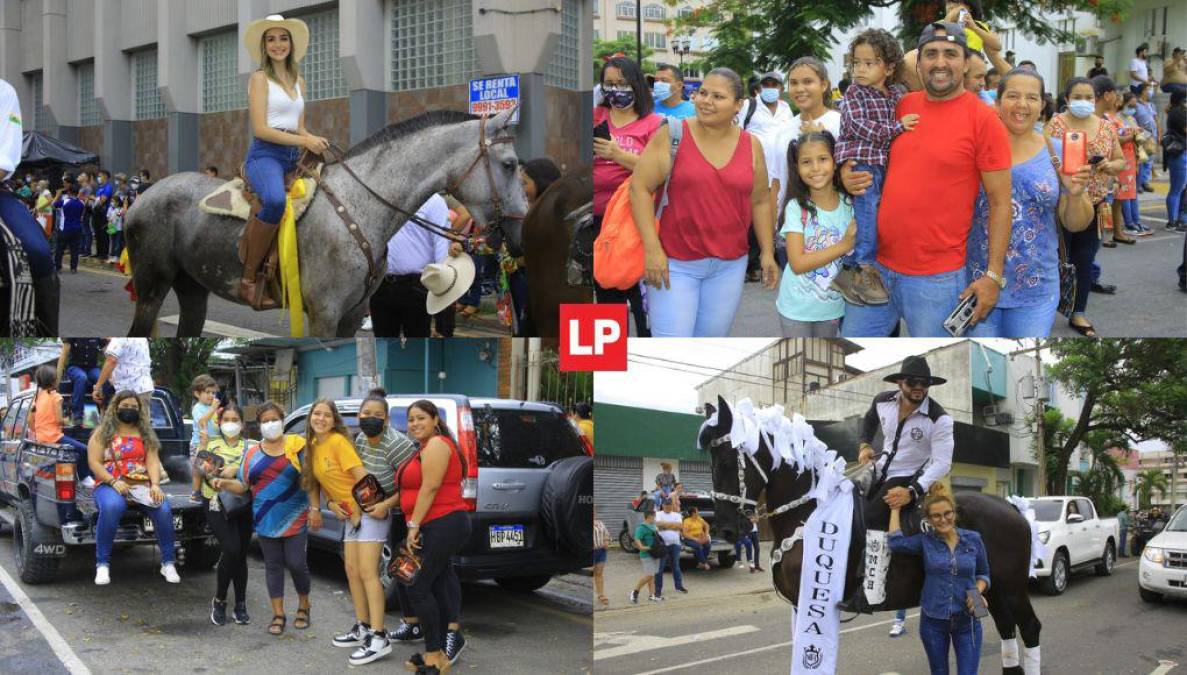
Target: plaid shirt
[868, 124]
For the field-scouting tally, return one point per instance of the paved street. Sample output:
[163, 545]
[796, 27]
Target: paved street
[94, 302]
[140, 624]
[730, 622]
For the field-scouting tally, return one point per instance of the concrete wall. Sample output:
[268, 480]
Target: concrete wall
[738, 385]
[150, 147]
[137, 23]
[80, 30]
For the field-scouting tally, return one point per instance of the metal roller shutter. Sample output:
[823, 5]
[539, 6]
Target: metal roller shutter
[617, 480]
[696, 475]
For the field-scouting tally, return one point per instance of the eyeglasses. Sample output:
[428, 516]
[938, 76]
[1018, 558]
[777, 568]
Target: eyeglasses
[946, 515]
[917, 382]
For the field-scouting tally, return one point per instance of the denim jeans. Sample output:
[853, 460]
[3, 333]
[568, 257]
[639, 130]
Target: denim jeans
[701, 550]
[865, 211]
[1145, 172]
[1018, 322]
[1129, 213]
[82, 381]
[1178, 171]
[81, 467]
[1081, 252]
[744, 541]
[702, 301]
[73, 240]
[266, 165]
[111, 508]
[962, 631]
[1122, 551]
[25, 228]
[923, 301]
[672, 559]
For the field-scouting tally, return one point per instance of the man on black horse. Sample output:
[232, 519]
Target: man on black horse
[916, 452]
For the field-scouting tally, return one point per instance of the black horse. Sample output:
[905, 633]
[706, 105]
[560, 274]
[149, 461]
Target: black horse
[1004, 530]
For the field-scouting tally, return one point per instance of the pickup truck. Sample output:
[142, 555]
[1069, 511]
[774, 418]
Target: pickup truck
[1076, 538]
[704, 502]
[1162, 570]
[53, 513]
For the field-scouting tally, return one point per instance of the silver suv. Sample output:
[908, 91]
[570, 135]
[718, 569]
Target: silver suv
[529, 488]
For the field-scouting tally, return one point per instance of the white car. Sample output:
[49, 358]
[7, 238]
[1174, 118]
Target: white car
[1076, 539]
[1163, 567]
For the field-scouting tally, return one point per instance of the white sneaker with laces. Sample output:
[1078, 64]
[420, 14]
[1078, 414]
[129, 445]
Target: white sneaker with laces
[366, 323]
[102, 575]
[170, 573]
[897, 629]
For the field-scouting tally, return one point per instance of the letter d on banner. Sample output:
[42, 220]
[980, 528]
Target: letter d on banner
[815, 634]
[593, 337]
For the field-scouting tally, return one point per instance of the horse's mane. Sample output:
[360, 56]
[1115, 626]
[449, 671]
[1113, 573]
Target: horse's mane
[398, 130]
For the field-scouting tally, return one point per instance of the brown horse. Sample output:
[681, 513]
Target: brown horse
[547, 236]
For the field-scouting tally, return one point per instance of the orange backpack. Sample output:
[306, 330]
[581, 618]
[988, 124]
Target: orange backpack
[618, 250]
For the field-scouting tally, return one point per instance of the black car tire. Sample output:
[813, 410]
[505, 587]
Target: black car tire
[1056, 582]
[1105, 567]
[725, 559]
[524, 584]
[566, 506]
[200, 555]
[28, 534]
[627, 540]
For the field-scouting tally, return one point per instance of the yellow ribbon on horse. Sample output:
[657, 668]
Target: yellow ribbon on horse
[290, 271]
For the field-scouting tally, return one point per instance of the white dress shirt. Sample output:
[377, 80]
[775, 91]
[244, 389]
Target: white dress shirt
[414, 248]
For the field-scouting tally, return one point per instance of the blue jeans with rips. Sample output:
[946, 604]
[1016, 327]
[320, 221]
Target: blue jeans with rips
[923, 301]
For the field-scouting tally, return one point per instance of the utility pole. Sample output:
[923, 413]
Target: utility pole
[639, 32]
[1040, 412]
[367, 368]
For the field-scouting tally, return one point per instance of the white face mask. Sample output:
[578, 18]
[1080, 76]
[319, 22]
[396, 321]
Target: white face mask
[272, 430]
[231, 429]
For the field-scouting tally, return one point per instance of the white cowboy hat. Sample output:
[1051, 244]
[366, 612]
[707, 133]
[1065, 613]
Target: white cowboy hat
[447, 281]
[254, 34]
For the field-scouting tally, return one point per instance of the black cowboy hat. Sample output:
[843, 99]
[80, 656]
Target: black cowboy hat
[914, 366]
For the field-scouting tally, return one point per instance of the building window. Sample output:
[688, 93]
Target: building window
[144, 80]
[655, 12]
[564, 68]
[597, 34]
[685, 12]
[88, 107]
[625, 10]
[655, 40]
[221, 88]
[626, 34]
[40, 120]
[596, 10]
[432, 43]
[322, 66]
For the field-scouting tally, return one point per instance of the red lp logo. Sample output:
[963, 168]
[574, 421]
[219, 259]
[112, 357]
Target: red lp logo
[593, 337]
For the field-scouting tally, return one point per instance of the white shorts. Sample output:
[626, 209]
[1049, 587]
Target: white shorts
[369, 529]
[650, 565]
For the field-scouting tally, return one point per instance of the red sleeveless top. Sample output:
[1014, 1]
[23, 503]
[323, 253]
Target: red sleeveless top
[449, 495]
[708, 211]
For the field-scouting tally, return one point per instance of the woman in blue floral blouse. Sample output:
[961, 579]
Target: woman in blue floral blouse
[1026, 307]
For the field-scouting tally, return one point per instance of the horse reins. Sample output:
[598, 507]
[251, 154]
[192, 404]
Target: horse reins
[760, 510]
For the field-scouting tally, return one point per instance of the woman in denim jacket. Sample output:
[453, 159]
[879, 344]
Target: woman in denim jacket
[954, 561]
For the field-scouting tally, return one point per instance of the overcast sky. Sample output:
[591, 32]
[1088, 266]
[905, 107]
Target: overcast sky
[662, 373]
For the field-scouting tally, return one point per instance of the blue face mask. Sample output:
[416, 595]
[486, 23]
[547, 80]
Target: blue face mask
[769, 95]
[661, 91]
[1081, 109]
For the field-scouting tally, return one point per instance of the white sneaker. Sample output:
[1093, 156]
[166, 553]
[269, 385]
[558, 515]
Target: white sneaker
[367, 326]
[897, 629]
[102, 575]
[170, 573]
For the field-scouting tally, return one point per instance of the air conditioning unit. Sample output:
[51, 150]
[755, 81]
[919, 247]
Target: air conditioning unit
[1088, 45]
[1157, 45]
[989, 410]
[999, 419]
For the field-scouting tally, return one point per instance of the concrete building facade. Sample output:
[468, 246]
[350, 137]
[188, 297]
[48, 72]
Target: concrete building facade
[162, 84]
[613, 19]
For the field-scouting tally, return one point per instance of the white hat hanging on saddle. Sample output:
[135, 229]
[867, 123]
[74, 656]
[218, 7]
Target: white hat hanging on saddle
[254, 35]
[447, 281]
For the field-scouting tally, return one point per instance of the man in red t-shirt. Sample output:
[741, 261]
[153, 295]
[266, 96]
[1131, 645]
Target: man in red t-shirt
[932, 179]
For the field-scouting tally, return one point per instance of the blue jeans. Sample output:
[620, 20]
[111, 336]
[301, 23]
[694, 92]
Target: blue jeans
[473, 296]
[111, 509]
[81, 467]
[1123, 551]
[900, 615]
[671, 559]
[744, 541]
[1129, 213]
[865, 211]
[701, 550]
[266, 165]
[1178, 170]
[924, 301]
[1018, 322]
[702, 301]
[75, 241]
[962, 631]
[25, 228]
[1145, 171]
[82, 382]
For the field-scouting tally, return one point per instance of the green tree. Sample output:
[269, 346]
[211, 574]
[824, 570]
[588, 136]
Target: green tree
[177, 361]
[1147, 483]
[603, 49]
[1101, 482]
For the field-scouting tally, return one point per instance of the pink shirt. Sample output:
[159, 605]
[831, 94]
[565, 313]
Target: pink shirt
[633, 137]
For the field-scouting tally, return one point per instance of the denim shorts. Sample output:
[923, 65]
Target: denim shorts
[599, 556]
[369, 529]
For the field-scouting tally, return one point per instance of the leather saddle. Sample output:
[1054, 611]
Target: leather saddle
[911, 521]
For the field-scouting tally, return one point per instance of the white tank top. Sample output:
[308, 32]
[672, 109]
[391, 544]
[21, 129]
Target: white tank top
[284, 112]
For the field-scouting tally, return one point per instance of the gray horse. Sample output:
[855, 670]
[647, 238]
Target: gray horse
[173, 244]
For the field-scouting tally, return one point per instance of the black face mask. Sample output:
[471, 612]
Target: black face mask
[371, 426]
[128, 415]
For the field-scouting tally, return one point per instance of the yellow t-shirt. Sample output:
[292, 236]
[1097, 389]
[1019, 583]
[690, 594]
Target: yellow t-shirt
[586, 427]
[694, 527]
[333, 459]
[231, 455]
[975, 42]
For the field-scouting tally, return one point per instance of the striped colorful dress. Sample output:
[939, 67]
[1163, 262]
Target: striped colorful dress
[280, 508]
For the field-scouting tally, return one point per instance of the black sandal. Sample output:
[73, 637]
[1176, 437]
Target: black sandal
[415, 662]
[1086, 331]
[278, 622]
[298, 617]
[1109, 244]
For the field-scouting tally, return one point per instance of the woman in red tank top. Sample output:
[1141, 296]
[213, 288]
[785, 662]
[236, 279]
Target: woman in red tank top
[696, 263]
[438, 527]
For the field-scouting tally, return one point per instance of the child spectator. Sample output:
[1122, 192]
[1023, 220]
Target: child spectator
[47, 417]
[203, 414]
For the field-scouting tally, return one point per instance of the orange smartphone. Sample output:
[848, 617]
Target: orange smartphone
[1075, 152]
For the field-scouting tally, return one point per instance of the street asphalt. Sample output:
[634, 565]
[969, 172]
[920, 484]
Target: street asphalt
[730, 621]
[141, 624]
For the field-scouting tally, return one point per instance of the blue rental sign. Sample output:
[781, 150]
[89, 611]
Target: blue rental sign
[492, 95]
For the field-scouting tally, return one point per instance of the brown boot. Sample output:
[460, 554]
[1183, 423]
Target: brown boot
[253, 286]
[869, 286]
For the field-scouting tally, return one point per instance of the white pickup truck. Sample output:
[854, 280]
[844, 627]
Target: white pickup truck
[1076, 538]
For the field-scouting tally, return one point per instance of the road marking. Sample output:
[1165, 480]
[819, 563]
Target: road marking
[220, 328]
[756, 650]
[56, 642]
[1163, 667]
[641, 643]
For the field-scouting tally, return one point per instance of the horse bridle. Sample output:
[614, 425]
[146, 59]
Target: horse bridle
[760, 510]
[484, 146]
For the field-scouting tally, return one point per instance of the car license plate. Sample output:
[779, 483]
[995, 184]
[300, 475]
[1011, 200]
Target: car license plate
[148, 526]
[506, 536]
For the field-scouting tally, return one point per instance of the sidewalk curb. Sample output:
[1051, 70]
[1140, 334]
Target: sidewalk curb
[653, 607]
